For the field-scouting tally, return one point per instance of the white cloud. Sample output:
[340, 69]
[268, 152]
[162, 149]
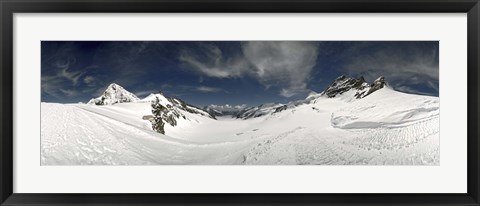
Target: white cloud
[408, 89]
[145, 93]
[289, 92]
[89, 80]
[51, 86]
[69, 92]
[54, 85]
[284, 65]
[400, 63]
[64, 72]
[206, 89]
[209, 60]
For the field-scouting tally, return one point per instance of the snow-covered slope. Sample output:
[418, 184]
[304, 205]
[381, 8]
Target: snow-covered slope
[175, 109]
[116, 135]
[175, 103]
[384, 127]
[114, 94]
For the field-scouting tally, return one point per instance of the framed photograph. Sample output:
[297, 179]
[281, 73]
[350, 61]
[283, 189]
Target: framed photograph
[265, 102]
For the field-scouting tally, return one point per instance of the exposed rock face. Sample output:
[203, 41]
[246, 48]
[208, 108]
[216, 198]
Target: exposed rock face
[176, 103]
[114, 94]
[280, 108]
[343, 84]
[167, 110]
[377, 84]
[164, 114]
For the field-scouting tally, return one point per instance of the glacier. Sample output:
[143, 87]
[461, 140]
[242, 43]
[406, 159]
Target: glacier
[384, 127]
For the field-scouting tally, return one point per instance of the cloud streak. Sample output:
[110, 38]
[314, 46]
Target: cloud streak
[402, 63]
[283, 65]
[209, 60]
[55, 84]
[206, 89]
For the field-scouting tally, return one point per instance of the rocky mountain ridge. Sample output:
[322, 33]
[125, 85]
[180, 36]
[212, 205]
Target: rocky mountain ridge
[169, 110]
[339, 86]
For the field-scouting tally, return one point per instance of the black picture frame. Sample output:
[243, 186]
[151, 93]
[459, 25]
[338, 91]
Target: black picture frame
[9, 7]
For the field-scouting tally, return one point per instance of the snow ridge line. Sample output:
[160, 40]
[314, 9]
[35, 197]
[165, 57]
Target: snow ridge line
[381, 124]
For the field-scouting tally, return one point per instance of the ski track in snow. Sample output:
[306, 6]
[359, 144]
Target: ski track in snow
[415, 144]
[326, 132]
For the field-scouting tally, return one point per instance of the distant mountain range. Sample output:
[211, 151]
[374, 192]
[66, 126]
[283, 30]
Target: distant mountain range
[358, 86]
[339, 86]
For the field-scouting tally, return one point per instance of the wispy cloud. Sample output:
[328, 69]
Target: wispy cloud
[287, 65]
[208, 59]
[64, 70]
[89, 80]
[69, 92]
[402, 63]
[206, 89]
[52, 86]
[55, 84]
[284, 65]
[411, 90]
[145, 93]
[63, 76]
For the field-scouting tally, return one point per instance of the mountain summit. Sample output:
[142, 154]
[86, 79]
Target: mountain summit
[344, 84]
[114, 94]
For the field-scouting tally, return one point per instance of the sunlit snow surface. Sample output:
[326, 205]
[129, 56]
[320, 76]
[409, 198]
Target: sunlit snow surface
[384, 128]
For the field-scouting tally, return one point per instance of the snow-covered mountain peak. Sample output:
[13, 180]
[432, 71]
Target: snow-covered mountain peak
[362, 89]
[174, 103]
[343, 84]
[114, 94]
[153, 96]
[114, 86]
[380, 82]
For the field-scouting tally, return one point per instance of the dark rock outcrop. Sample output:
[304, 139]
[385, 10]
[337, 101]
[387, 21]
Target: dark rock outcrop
[343, 84]
[362, 89]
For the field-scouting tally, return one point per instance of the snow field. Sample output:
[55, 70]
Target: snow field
[384, 128]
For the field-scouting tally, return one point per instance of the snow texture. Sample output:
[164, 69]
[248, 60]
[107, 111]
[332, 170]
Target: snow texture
[385, 127]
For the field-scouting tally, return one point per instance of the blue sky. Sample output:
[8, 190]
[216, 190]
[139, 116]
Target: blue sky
[231, 72]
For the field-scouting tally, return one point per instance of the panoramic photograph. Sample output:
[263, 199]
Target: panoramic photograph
[240, 103]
